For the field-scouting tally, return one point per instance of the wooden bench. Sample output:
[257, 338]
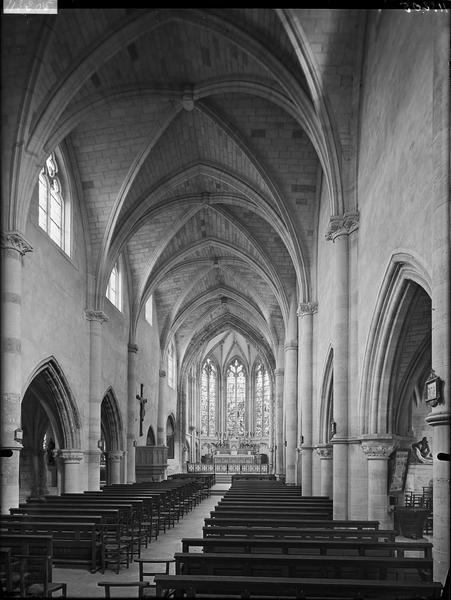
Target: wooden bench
[299, 533]
[300, 546]
[207, 586]
[285, 565]
[74, 543]
[278, 521]
[275, 509]
[34, 554]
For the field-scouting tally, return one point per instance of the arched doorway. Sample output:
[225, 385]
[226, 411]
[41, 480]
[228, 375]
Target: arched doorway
[150, 440]
[112, 440]
[51, 434]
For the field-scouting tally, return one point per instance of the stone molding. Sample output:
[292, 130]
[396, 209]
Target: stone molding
[132, 348]
[70, 456]
[290, 346]
[325, 452]
[13, 240]
[307, 308]
[162, 373]
[342, 225]
[279, 371]
[96, 315]
[435, 419]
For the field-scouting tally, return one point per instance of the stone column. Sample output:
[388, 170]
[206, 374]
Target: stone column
[440, 415]
[161, 420]
[132, 405]
[339, 228]
[14, 248]
[71, 463]
[325, 453]
[279, 440]
[96, 318]
[305, 314]
[377, 450]
[290, 407]
[114, 463]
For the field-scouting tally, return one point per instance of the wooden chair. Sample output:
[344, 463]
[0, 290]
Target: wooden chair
[107, 585]
[143, 572]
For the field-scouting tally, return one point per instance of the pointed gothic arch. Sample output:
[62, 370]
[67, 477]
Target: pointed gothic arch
[111, 422]
[404, 275]
[58, 402]
[327, 400]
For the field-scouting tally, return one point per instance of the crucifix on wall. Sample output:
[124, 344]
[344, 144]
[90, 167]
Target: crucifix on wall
[142, 410]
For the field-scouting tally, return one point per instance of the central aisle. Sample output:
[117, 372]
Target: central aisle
[83, 584]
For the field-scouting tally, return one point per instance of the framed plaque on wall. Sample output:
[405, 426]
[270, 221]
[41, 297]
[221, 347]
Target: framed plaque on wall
[399, 471]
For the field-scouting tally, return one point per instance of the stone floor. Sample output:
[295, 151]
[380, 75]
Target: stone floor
[83, 584]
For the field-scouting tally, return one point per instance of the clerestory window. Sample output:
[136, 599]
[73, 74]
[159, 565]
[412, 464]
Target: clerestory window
[113, 290]
[53, 207]
[208, 394]
[262, 401]
[236, 399]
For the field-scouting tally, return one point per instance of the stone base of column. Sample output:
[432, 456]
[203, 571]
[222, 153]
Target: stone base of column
[307, 459]
[340, 479]
[92, 458]
[9, 480]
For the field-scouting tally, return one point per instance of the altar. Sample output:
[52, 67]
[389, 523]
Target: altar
[236, 459]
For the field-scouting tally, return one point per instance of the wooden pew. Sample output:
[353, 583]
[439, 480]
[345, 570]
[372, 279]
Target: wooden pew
[299, 533]
[35, 556]
[355, 547]
[74, 543]
[258, 510]
[305, 565]
[194, 586]
[278, 521]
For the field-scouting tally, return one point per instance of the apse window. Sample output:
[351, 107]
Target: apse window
[53, 208]
[113, 290]
[148, 311]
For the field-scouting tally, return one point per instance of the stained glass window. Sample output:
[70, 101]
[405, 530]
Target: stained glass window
[236, 399]
[262, 401]
[208, 398]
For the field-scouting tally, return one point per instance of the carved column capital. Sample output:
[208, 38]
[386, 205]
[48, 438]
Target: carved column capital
[342, 225]
[132, 348]
[325, 452]
[70, 456]
[290, 346]
[115, 455]
[278, 372]
[96, 315]
[162, 373]
[13, 240]
[377, 447]
[307, 308]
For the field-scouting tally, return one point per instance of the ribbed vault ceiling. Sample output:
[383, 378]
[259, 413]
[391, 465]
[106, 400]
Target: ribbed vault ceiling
[191, 169]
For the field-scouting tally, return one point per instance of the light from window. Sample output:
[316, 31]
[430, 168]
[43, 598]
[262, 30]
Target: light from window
[149, 311]
[51, 204]
[262, 401]
[236, 399]
[208, 398]
[113, 290]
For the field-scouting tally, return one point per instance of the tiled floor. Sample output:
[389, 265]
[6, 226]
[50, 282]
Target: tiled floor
[83, 584]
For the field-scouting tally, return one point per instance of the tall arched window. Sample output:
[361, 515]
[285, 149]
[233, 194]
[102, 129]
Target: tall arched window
[208, 394]
[53, 210]
[262, 401]
[171, 366]
[236, 398]
[113, 290]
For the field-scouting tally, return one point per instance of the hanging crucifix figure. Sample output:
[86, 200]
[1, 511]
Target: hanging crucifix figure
[142, 410]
